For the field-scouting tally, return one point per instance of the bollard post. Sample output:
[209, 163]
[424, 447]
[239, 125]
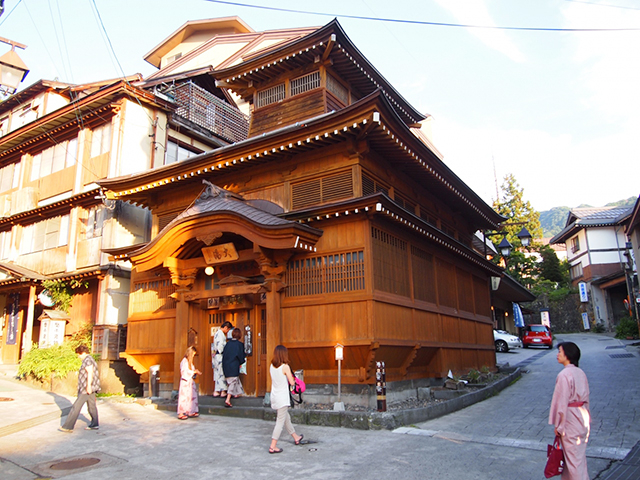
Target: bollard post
[381, 386]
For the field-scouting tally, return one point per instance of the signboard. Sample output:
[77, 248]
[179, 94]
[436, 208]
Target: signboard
[220, 253]
[51, 332]
[585, 321]
[14, 318]
[544, 318]
[584, 296]
[213, 302]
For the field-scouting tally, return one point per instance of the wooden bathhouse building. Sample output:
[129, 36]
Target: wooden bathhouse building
[335, 221]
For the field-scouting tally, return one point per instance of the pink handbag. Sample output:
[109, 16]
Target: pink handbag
[555, 459]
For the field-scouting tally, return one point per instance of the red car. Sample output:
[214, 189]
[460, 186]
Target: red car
[537, 335]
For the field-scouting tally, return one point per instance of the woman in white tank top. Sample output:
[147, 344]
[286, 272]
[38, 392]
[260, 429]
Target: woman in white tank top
[281, 378]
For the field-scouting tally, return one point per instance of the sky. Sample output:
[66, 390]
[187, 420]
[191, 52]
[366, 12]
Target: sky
[560, 110]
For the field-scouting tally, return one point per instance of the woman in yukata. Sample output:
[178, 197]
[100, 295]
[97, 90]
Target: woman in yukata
[219, 342]
[188, 393]
[569, 412]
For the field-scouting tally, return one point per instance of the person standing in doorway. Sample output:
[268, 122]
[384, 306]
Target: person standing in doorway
[569, 412]
[88, 386]
[219, 342]
[232, 358]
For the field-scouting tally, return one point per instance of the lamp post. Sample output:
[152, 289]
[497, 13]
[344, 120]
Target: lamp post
[12, 69]
[339, 405]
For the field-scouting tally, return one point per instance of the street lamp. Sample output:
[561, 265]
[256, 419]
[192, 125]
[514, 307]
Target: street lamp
[339, 405]
[505, 247]
[12, 69]
[525, 237]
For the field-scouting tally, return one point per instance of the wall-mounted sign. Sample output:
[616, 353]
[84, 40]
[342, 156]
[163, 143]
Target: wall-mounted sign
[220, 253]
[213, 302]
[584, 296]
[544, 318]
[585, 321]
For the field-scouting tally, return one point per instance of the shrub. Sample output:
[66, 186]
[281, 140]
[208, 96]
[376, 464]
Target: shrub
[42, 363]
[627, 327]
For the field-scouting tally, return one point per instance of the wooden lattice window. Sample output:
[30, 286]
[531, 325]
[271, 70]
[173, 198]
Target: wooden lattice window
[339, 90]
[270, 95]
[369, 186]
[164, 220]
[305, 83]
[340, 272]
[390, 263]
[322, 190]
[151, 296]
[424, 278]
[447, 290]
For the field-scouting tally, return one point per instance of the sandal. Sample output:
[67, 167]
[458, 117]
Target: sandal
[275, 450]
[216, 394]
[228, 405]
[194, 415]
[182, 417]
[299, 442]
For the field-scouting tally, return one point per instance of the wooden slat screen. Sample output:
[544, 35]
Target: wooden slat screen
[270, 95]
[447, 291]
[305, 83]
[339, 90]
[370, 186]
[424, 278]
[465, 291]
[152, 296]
[164, 220]
[341, 272]
[322, 190]
[482, 296]
[390, 263]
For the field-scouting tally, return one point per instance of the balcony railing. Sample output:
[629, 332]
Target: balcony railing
[206, 110]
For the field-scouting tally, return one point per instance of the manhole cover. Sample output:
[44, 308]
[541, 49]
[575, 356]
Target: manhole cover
[75, 464]
[6, 399]
[610, 347]
[622, 355]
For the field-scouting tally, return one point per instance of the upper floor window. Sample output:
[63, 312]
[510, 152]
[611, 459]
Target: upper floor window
[270, 95]
[305, 83]
[176, 152]
[50, 233]
[4, 125]
[91, 221]
[5, 244]
[575, 244]
[101, 140]
[54, 159]
[339, 90]
[9, 176]
[576, 271]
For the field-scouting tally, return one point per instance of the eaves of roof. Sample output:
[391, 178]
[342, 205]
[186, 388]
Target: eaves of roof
[634, 220]
[511, 290]
[32, 91]
[73, 114]
[84, 198]
[330, 41]
[380, 204]
[372, 118]
[582, 223]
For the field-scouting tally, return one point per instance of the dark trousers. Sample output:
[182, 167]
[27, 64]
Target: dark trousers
[90, 400]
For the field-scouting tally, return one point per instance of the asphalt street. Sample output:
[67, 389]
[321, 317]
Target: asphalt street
[502, 437]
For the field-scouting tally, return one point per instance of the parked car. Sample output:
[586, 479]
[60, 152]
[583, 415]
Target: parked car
[504, 341]
[537, 335]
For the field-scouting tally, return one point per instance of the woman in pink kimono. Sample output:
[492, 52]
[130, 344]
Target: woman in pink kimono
[569, 412]
[188, 393]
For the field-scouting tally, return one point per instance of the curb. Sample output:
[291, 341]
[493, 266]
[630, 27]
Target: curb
[361, 420]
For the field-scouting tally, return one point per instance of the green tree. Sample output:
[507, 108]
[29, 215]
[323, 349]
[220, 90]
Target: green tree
[550, 266]
[512, 205]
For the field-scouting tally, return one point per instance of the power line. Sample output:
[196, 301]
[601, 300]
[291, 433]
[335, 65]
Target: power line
[419, 22]
[9, 14]
[604, 4]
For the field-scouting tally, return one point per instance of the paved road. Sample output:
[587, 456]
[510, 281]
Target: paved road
[503, 437]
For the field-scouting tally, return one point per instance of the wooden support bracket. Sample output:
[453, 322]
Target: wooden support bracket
[409, 360]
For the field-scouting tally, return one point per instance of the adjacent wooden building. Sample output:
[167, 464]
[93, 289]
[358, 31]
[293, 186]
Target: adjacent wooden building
[335, 221]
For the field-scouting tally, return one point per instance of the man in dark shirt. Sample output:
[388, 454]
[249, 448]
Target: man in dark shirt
[88, 386]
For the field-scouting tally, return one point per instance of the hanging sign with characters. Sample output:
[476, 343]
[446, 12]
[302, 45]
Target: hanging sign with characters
[220, 253]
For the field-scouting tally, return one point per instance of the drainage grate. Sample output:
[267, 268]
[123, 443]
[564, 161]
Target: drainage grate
[75, 464]
[614, 346]
[6, 399]
[621, 355]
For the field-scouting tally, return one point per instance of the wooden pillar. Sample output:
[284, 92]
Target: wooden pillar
[273, 265]
[28, 331]
[183, 279]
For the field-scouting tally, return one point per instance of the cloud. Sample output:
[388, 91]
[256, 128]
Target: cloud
[474, 12]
